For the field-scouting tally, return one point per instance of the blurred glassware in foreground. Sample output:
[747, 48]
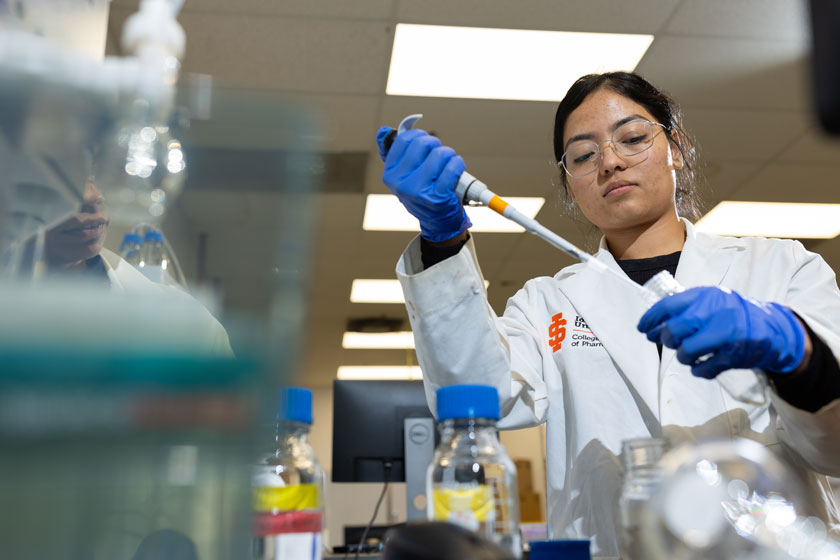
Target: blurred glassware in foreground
[132, 244]
[642, 477]
[731, 499]
[66, 116]
[288, 485]
[140, 165]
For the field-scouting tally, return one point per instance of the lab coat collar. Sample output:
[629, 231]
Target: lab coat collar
[612, 309]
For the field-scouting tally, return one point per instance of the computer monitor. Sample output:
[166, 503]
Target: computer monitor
[379, 423]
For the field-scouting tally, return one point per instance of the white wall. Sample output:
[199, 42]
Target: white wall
[353, 504]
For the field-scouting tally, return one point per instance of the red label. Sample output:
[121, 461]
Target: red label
[287, 522]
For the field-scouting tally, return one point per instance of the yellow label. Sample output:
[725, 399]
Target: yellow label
[466, 506]
[270, 498]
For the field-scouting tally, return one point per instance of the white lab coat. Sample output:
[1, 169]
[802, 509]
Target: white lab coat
[209, 336]
[605, 382]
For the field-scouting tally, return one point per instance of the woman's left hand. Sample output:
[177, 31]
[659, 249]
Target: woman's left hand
[731, 331]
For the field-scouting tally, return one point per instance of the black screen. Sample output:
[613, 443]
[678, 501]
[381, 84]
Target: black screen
[368, 427]
[825, 25]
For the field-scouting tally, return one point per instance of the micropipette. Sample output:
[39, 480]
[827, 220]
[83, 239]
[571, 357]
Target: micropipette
[470, 191]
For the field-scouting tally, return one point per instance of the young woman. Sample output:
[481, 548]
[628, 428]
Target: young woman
[572, 351]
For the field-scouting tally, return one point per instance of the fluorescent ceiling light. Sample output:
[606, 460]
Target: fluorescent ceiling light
[380, 291]
[400, 340]
[773, 219]
[384, 212]
[379, 372]
[484, 63]
[376, 291]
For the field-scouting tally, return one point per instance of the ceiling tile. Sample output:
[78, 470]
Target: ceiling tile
[510, 176]
[729, 73]
[317, 55]
[755, 19]
[813, 147]
[744, 135]
[640, 16]
[472, 126]
[720, 179]
[268, 119]
[362, 9]
[790, 182]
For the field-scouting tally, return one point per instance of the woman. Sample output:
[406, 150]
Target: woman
[567, 350]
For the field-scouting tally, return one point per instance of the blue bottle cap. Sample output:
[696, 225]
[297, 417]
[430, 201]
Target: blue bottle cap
[132, 238]
[565, 549]
[153, 235]
[467, 401]
[294, 404]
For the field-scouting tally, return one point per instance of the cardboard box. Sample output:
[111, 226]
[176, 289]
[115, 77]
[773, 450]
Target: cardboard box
[524, 476]
[530, 508]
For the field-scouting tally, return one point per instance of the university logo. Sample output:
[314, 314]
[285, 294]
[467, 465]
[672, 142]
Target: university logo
[557, 332]
[582, 335]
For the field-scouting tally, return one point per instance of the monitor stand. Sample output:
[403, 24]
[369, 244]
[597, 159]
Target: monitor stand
[419, 449]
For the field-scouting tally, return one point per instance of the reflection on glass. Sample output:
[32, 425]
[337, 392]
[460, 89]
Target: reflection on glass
[140, 166]
[731, 499]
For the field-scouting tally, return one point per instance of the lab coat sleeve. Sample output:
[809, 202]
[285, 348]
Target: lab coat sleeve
[813, 295]
[459, 338]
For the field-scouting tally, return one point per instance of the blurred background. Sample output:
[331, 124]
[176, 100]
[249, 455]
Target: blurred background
[741, 71]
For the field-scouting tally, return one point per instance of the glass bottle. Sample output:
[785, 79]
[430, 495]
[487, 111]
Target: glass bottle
[288, 486]
[131, 247]
[740, 384]
[642, 476]
[472, 481]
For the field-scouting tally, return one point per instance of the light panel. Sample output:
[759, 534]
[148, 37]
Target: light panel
[487, 63]
[366, 290]
[385, 340]
[376, 291]
[794, 220]
[380, 372]
[384, 212]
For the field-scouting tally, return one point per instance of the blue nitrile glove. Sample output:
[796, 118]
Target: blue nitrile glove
[423, 174]
[738, 332]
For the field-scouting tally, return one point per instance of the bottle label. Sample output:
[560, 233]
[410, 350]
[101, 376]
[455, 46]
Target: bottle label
[291, 546]
[285, 498]
[287, 522]
[467, 507]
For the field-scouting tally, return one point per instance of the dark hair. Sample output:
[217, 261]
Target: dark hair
[664, 109]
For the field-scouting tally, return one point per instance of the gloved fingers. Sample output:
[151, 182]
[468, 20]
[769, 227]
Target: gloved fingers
[711, 340]
[401, 145]
[666, 308]
[655, 334]
[434, 164]
[679, 328]
[381, 134]
[416, 153]
[711, 367]
[448, 178]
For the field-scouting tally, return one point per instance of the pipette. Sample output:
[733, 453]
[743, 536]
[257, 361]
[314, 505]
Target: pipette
[470, 191]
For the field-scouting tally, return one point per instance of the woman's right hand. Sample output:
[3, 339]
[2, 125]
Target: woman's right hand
[423, 174]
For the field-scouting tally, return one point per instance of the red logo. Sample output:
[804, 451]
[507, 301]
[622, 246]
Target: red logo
[557, 332]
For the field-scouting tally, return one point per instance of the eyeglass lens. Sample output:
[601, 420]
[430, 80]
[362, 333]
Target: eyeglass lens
[584, 156]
